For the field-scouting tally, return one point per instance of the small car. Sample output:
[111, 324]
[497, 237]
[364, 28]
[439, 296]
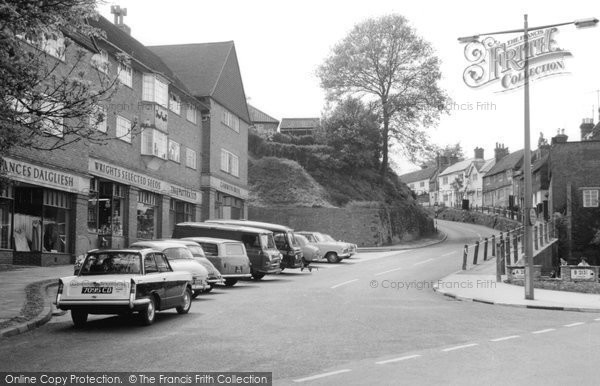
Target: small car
[229, 256]
[124, 281]
[214, 276]
[310, 250]
[334, 251]
[181, 259]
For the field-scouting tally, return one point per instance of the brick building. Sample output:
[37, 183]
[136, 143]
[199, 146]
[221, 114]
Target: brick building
[61, 203]
[299, 126]
[211, 72]
[498, 188]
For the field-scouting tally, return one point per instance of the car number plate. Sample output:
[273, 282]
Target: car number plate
[96, 290]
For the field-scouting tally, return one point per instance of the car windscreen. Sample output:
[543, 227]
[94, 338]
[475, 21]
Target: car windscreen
[267, 242]
[292, 239]
[328, 238]
[281, 241]
[310, 237]
[301, 239]
[180, 253]
[111, 264]
[210, 249]
[196, 250]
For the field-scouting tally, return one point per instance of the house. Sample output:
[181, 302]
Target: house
[299, 126]
[574, 190]
[263, 124]
[419, 182]
[473, 184]
[451, 180]
[212, 74]
[61, 204]
[498, 189]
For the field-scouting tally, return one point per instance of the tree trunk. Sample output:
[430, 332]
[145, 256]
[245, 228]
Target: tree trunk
[385, 139]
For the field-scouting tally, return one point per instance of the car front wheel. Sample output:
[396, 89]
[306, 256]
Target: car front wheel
[79, 318]
[230, 282]
[148, 315]
[258, 275]
[186, 304]
[332, 257]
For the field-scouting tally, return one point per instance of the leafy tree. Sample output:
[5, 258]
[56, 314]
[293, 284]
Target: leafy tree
[449, 151]
[50, 92]
[384, 60]
[352, 130]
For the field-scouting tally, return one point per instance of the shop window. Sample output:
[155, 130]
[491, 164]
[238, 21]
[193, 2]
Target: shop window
[179, 211]
[5, 223]
[147, 215]
[106, 205]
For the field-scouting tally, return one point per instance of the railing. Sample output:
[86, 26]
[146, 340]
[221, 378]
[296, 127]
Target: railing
[507, 247]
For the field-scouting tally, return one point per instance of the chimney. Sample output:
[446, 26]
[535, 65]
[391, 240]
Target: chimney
[119, 13]
[478, 153]
[500, 151]
[560, 137]
[586, 127]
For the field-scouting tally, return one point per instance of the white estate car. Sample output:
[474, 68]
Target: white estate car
[122, 282]
[334, 251]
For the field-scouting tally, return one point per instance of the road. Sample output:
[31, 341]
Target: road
[372, 319]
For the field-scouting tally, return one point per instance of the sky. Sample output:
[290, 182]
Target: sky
[280, 44]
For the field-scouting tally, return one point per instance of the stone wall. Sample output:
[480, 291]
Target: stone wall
[489, 220]
[375, 226]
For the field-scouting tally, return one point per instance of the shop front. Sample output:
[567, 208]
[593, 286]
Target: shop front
[38, 213]
[125, 205]
[223, 200]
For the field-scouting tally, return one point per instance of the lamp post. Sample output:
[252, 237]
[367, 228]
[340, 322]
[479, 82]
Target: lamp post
[528, 209]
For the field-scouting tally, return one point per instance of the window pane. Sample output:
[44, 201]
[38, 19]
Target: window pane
[174, 151]
[5, 224]
[56, 229]
[148, 87]
[123, 129]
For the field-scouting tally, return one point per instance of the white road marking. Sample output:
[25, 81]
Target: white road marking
[344, 283]
[544, 331]
[448, 254]
[423, 262]
[385, 254]
[505, 338]
[574, 324]
[397, 359]
[384, 272]
[460, 347]
[322, 375]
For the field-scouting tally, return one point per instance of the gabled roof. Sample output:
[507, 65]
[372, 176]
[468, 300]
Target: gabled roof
[459, 166]
[209, 70]
[419, 175]
[487, 166]
[511, 161]
[299, 123]
[135, 49]
[541, 161]
[257, 116]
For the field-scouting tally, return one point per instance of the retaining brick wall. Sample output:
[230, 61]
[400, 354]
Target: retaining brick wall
[362, 226]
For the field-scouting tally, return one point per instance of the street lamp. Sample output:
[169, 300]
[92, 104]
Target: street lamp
[528, 218]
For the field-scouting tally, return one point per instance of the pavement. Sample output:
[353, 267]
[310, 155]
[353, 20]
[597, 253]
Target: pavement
[479, 285]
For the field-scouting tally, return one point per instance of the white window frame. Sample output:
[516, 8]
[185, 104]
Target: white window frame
[125, 74]
[174, 151]
[590, 198]
[175, 103]
[123, 129]
[190, 158]
[100, 126]
[53, 126]
[100, 62]
[154, 142]
[192, 113]
[230, 120]
[230, 163]
[155, 90]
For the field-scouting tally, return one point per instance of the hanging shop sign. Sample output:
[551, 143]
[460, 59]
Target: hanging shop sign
[22, 171]
[502, 63]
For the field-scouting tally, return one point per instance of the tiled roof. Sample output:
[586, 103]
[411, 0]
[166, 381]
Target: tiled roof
[209, 70]
[487, 165]
[457, 167]
[257, 116]
[419, 175]
[299, 123]
[136, 50]
[508, 162]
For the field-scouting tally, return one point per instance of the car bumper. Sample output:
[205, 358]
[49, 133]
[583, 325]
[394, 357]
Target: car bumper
[237, 276]
[103, 306]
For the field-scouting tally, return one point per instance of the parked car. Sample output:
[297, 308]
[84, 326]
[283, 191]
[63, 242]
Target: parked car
[123, 282]
[181, 259]
[352, 248]
[284, 240]
[260, 246]
[228, 256]
[334, 251]
[214, 276]
[310, 250]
